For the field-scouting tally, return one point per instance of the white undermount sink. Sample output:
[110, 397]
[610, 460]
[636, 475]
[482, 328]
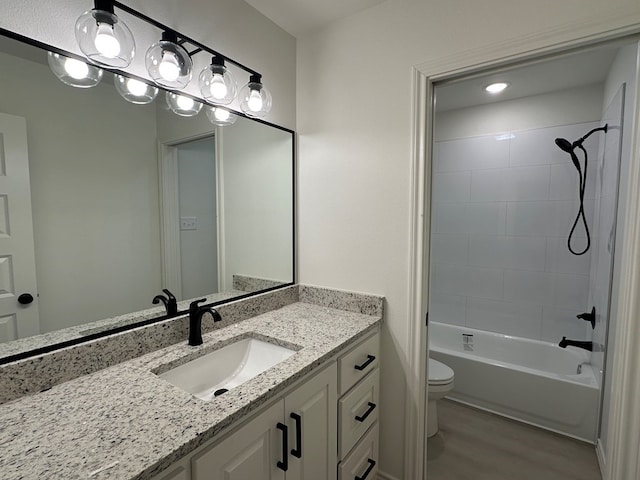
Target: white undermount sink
[225, 368]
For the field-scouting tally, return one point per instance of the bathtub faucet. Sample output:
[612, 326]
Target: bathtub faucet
[564, 343]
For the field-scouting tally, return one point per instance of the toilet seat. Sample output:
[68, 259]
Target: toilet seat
[439, 373]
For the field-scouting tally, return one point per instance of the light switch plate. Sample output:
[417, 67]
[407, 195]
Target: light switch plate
[188, 223]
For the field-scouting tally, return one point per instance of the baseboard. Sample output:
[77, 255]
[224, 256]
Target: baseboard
[602, 459]
[385, 476]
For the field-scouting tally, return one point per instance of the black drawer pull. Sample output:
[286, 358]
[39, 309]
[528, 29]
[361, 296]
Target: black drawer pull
[297, 452]
[372, 407]
[284, 464]
[372, 464]
[370, 358]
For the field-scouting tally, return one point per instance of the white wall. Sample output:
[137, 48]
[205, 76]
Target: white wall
[231, 27]
[355, 147]
[258, 232]
[623, 70]
[82, 164]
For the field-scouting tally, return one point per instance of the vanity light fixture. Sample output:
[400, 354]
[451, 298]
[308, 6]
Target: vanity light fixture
[220, 116]
[107, 41]
[217, 83]
[496, 87]
[103, 37]
[74, 72]
[168, 63]
[183, 105]
[135, 91]
[255, 99]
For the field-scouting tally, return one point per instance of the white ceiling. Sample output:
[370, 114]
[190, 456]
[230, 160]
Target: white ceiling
[302, 16]
[569, 71]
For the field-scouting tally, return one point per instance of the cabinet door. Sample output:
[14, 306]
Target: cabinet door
[252, 452]
[311, 415]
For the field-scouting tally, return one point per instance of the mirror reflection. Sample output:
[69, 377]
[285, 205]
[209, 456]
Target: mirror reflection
[127, 199]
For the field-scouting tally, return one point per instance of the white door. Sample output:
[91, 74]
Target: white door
[18, 295]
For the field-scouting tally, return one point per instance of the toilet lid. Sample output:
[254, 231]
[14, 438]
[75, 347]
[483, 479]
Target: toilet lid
[439, 373]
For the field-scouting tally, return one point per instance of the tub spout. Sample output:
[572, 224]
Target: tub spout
[564, 343]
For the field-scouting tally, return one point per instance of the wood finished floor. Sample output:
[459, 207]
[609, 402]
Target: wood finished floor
[475, 445]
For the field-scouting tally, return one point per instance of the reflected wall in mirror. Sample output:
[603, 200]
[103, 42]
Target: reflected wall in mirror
[130, 199]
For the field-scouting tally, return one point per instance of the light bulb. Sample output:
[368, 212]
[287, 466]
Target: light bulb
[218, 88]
[76, 69]
[221, 115]
[105, 41]
[169, 68]
[136, 87]
[496, 87]
[255, 101]
[185, 103]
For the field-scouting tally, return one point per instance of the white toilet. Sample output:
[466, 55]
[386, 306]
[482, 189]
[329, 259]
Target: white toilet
[440, 383]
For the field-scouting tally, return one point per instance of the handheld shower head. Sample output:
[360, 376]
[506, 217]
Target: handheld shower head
[564, 144]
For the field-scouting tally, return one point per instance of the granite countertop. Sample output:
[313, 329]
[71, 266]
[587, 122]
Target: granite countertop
[124, 422]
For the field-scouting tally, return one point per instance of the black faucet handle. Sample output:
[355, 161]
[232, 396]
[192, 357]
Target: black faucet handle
[172, 303]
[194, 306]
[589, 317]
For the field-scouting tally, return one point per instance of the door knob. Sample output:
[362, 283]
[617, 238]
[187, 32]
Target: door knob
[25, 299]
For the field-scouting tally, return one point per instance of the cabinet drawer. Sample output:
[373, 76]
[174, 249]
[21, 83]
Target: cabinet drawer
[356, 364]
[358, 410]
[362, 463]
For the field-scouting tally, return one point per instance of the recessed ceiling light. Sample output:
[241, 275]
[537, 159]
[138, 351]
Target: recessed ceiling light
[496, 87]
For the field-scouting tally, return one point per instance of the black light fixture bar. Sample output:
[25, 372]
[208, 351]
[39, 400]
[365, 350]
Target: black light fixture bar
[183, 38]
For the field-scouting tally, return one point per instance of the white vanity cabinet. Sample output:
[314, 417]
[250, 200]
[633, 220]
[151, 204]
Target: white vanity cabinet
[358, 409]
[323, 428]
[293, 439]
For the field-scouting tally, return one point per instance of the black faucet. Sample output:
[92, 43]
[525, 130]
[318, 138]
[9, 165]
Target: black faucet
[589, 317]
[169, 301]
[195, 320]
[564, 343]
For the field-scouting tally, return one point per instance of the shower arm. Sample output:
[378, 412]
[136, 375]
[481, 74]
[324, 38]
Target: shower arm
[578, 143]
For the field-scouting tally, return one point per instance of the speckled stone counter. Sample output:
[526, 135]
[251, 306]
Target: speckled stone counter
[124, 422]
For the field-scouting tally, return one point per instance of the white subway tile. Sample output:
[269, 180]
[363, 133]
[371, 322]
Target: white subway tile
[521, 286]
[484, 282]
[449, 279]
[472, 153]
[449, 249]
[571, 291]
[450, 218]
[560, 260]
[489, 185]
[528, 218]
[451, 187]
[486, 218]
[521, 320]
[527, 253]
[565, 183]
[447, 308]
[528, 183]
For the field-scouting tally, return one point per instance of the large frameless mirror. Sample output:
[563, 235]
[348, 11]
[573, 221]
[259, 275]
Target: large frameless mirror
[127, 200]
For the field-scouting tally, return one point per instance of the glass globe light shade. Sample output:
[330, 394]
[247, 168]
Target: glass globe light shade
[255, 99]
[168, 63]
[183, 105]
[74, 72]
[135, 91]
[104, 38]
[217, 83]
[220, 116]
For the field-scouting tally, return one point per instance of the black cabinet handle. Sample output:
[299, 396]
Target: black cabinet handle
[284, 464]
[297, 452]
[372, 464]
[370, 358]
[372, 407]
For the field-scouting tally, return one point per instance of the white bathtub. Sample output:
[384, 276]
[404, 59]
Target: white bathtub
[529, 380]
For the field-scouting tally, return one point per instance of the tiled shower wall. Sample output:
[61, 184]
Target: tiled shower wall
[502, 209]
